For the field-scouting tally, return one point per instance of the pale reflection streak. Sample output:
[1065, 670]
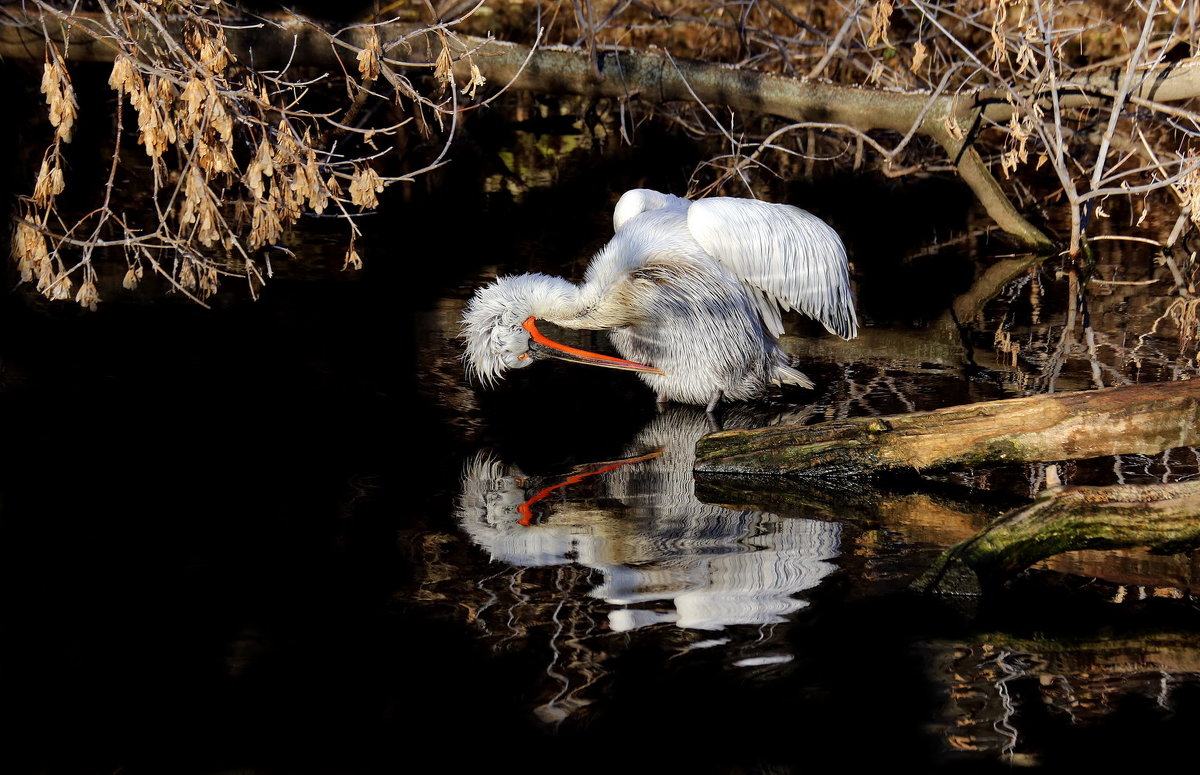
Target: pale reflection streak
[630, 547]
[657, 543]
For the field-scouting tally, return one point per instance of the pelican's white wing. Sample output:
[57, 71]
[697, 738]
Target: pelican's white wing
[639, 200]
[790, 258]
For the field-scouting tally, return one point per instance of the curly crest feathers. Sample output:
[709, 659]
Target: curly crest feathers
[491, 323]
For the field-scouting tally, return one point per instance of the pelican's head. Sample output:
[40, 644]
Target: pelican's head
[498, 327]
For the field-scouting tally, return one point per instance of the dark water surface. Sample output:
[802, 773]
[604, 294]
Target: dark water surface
[286, 537]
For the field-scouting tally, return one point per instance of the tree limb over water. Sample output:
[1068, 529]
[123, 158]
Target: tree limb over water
[1143, 419]
[657, 77]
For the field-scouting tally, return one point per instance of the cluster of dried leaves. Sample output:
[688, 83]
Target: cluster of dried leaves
[230, 156]
[1056, 94]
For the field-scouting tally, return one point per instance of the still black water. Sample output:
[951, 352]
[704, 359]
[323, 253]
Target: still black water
[285, 536]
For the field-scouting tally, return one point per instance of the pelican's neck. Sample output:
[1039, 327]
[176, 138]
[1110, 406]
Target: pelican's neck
[554, 300]
[551, 298]
[510, 300]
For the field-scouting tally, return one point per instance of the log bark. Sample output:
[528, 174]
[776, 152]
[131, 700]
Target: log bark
[961, 519]
[1144, 419]
[1162, 517]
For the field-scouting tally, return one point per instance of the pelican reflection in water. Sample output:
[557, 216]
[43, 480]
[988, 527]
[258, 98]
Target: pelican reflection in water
[663, 556]
[691, 293]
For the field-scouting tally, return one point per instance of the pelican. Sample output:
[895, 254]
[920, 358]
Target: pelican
[691, 293]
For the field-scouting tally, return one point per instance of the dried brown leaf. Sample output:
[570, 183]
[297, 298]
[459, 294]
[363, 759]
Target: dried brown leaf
[60, 97]
[881, 22]
[364, 186]
[920, 54]
[368, 57]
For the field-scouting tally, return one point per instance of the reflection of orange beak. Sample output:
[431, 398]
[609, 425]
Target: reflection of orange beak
[575, 355]
[526, 508]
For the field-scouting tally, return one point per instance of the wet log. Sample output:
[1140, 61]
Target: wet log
[1134, 419]
[1164, 518]
[953, 518]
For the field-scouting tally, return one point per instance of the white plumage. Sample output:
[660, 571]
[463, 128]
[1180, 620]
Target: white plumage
[691, 292]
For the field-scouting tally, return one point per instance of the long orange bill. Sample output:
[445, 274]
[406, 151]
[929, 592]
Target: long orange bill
[564, 352]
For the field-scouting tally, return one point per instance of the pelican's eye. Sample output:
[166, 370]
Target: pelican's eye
[514, 348]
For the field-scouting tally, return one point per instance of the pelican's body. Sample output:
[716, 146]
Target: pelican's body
[691, 293]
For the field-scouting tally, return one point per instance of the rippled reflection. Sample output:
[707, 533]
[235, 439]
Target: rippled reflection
[653, 541]
[650, 551]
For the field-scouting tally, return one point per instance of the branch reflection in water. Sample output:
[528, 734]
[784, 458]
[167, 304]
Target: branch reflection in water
[661, 556]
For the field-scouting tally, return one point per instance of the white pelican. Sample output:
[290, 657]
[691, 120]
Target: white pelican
[691, 292]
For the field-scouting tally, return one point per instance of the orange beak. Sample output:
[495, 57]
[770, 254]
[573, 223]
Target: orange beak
[563, 352]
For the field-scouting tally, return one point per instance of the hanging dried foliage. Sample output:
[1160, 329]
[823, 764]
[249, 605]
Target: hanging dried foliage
[235, 155]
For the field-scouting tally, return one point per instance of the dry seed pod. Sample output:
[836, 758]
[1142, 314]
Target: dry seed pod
[56, 288]
[49, 183]
[364, 186]
[353, 260]
[60, 97]
[368, 57]
[265, 227]
[88, 296]
[124, 79]
[262, 166]
[132, 277]
[29, 247]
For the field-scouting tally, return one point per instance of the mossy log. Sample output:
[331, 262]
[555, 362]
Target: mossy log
[949, 518]
[1162, 517]
[1144, 419]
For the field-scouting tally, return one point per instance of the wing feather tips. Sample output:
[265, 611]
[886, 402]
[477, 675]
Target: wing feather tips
[843, 324]
[786, 375]
[793, 257]
[832, 302]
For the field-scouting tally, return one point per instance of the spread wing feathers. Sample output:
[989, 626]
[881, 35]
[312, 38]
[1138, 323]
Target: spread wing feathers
[639, 200]
[790, 258]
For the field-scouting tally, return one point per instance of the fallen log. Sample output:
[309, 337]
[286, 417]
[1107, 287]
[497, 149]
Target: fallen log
[1162, 517]
[948, 518]
[1144, 419]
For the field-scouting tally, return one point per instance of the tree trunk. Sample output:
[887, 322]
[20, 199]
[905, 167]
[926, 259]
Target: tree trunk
[1143, 419]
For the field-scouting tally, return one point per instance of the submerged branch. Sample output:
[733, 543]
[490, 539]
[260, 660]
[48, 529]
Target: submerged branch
[1162, 517]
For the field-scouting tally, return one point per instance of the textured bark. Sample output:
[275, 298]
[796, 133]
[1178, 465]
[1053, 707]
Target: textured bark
[952, 518]
[1162, 517]
[1142, 419]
